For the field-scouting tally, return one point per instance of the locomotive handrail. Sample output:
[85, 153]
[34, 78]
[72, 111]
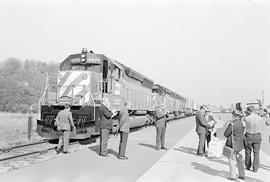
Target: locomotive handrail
[41, 100]
[93, 102]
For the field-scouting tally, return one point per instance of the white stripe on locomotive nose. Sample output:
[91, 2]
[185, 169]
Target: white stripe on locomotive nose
[72, 77]
[69, 80]
[77, 89]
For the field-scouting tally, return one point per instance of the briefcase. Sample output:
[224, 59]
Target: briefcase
[215, 148]
[228, 152]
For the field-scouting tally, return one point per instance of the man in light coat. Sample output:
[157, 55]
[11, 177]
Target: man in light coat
[160, 126]
[124, 130]
[253, 137]
[64, 122]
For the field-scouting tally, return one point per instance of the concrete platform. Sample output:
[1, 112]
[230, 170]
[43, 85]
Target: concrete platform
[87, 166]
[182, 164]
[145, 164]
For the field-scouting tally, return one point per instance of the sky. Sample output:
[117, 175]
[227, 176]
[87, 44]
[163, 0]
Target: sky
[216, 52]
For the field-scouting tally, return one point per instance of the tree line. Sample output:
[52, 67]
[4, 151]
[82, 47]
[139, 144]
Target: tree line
[22, 83]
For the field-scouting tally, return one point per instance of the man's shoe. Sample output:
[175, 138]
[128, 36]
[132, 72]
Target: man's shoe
[104, 155]
[123, 157]
[201, 155]
[157, 148]
[232, 179]
[241, 177]
[255, 171]
[164, 148]
[66, 152]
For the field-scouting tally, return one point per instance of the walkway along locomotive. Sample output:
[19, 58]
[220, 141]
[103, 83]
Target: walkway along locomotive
[85, 79]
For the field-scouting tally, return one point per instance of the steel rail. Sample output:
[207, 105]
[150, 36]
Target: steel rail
[38, 151]
[25, 145]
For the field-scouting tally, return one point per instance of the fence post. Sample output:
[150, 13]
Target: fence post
[30, 124]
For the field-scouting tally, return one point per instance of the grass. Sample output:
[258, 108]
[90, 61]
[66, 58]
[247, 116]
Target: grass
[14, 128]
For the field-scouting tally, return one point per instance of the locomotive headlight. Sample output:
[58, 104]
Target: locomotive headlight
[83, 58]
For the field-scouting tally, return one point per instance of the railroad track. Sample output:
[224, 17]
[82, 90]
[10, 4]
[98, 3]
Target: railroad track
[25, 150]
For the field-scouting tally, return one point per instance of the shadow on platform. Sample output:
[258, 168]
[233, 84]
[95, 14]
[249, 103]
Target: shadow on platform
[96, 150]
[87, 141]
[209, 170]
[213, 172]
[188, 150]
[193, 151]
[213, 159]
[148, 145]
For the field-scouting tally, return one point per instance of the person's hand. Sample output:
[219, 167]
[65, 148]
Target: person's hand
[58, 127]
[73, 128]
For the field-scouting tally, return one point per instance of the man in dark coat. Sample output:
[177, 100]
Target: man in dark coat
[160, 126]
[105, 126]
[64, 122]
[124, 130]
[201, 126]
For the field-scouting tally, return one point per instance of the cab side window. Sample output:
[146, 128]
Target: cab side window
[116, 73]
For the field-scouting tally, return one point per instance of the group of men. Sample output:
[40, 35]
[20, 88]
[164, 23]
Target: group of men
[204, 124]
[253, 129]
[65, 124]
[106, 124]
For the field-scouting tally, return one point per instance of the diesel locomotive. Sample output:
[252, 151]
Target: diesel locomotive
[86, 78]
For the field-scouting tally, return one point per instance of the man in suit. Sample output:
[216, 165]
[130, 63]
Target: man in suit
[105, 126]
[124, 130]
[64, 122]
[160, 126]
[201, 127]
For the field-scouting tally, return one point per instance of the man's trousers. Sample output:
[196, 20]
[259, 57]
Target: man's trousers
[104, 136]
[123, 144]
[240, 166]
[160, 138]
[253, 144]
[201, 145]
[63, 140]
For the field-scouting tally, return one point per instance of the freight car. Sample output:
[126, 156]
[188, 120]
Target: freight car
[85, 79]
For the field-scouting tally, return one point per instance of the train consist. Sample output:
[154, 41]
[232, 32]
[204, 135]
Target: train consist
[86, 78]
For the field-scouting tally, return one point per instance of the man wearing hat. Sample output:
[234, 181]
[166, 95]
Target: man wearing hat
[160, 126]
[201, 126]
[253, 138]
